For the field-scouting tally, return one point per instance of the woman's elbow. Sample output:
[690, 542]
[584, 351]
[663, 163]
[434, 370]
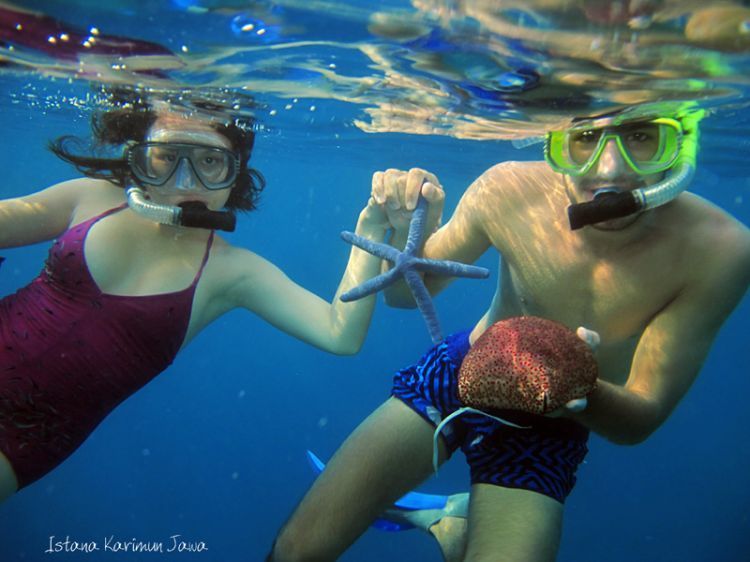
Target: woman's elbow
[344, 346]
[399, 301]
[348, 350]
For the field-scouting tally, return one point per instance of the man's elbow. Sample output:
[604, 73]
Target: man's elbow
[635, 433]
[629, 438]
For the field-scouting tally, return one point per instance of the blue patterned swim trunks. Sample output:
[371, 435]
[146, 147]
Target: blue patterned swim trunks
[543, 458]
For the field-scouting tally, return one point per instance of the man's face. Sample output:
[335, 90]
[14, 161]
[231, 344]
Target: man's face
[611, 172]
[613, 158]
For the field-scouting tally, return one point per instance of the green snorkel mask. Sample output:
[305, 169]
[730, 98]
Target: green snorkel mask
[648, 146]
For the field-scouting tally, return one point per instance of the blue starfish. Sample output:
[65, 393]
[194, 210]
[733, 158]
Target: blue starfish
[407, 265]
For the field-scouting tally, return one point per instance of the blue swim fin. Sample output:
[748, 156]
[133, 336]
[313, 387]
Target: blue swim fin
[410, 502]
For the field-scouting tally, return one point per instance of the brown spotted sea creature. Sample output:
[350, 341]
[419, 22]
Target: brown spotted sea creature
[524, 363]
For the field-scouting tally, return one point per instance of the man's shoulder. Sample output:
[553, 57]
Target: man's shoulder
[511, 179]
[528, 168]
[713, 233]
[710, 220]
[511, 175]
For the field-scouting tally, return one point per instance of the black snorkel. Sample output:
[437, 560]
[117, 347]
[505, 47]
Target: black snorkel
[192, 214]
[608, 204]
[195, 214]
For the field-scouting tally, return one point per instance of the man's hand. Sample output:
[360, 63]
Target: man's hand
[591, 338]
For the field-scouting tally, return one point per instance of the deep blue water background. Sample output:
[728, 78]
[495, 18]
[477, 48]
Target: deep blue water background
[213, 449]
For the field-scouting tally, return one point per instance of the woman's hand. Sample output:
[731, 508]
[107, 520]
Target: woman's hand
[398, 191]
[373, 216]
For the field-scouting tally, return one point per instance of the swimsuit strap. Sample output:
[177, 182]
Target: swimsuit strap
[100, 216]
[205, 259]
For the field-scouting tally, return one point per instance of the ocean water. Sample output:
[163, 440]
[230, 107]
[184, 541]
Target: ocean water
[213, 450]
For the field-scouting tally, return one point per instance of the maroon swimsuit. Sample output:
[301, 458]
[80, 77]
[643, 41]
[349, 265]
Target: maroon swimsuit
[69, 354]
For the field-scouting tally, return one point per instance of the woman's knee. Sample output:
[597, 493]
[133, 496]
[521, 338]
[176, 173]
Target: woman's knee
[8, 480]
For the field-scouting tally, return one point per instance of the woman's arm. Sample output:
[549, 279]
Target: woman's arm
[39, 216]
[334, 326]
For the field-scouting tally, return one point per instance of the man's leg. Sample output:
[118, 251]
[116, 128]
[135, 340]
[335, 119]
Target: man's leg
[387, 455]
[512, 525]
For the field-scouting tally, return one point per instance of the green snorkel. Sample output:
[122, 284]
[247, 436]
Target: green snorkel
[612, 205]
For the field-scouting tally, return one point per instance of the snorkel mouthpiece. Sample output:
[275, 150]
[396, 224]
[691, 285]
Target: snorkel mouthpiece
[608, 204]
[196, 214]
[190, 214]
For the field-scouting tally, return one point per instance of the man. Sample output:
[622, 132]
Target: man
[603, 237]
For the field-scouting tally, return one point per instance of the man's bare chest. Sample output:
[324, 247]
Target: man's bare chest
[617, 298]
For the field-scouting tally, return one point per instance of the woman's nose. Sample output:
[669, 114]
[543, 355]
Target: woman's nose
[184, 178]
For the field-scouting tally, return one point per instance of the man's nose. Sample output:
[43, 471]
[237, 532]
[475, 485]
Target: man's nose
[611, 163]
[184, 178]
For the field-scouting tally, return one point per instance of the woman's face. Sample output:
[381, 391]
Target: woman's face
[189, 158]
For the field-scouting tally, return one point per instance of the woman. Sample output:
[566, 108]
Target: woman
[131, 279]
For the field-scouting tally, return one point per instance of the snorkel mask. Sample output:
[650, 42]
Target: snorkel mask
[648, 145]
[173, 167]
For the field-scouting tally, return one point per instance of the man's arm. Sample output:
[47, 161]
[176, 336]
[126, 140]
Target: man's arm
[672, 349]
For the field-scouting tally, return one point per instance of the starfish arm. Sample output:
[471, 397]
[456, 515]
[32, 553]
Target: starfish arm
[407, 264]
[424, 303]
[451, 268]
[371, 286]
[375, 248]
[416, 227]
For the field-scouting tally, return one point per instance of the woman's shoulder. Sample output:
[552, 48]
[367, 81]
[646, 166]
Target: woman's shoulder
[93, 196]
[234, 271]
[233, 259]
[85, 186]
[82, 190]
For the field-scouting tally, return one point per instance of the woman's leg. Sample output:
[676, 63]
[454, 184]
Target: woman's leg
[8, 481]
[387, 455]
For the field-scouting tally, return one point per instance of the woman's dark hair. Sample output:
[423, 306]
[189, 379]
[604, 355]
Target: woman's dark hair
[131, 123]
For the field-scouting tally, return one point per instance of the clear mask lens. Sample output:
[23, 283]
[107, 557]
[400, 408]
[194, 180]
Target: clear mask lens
[154, 163]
